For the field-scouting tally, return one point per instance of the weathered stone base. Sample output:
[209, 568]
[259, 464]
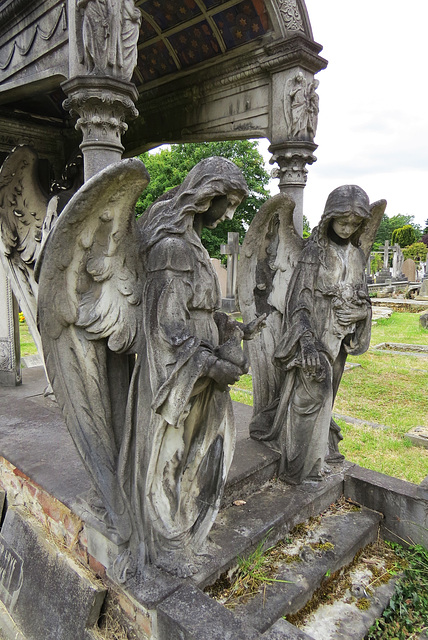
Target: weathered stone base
[41, 521]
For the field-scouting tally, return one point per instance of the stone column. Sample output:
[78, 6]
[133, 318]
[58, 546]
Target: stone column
[10, 359]
[101, 105]
[292, 159]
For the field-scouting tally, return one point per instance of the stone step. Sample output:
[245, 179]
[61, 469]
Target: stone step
[326, 547]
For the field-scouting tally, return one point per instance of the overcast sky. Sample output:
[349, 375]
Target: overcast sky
[373, 121]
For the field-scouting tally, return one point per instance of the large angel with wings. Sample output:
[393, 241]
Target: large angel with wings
[155, 431]
[316, 297]
[27, 215]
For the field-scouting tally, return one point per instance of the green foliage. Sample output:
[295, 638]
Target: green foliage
[407, 613]
[388, 225]
[169, 167]
[306, 227]
[404, 236]
[417, 251]
[376, 263]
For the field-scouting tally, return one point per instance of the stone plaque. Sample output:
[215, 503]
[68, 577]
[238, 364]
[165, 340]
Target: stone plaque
[46, 593]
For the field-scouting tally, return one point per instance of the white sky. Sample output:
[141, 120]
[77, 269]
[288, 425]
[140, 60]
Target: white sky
[373, 121]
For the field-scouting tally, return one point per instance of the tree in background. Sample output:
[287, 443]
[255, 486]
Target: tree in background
[306, 227]
[425, 233]
[169, 167]
[416, 251]
[388, 226]
[404, 236]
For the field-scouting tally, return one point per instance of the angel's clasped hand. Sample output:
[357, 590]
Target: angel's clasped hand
[349, 314]
[310, 357]
[224, 373]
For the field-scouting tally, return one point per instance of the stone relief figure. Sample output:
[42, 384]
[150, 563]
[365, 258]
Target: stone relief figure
[301, 107]
[110, 31]
[157, 444]
[27, 214]
[319, 312]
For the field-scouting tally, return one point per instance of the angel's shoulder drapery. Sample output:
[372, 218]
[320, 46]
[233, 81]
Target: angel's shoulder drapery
[170, 253]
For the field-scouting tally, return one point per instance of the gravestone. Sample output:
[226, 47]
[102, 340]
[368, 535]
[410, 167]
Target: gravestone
[385, 273]
[409, 269]
[231, 250]
[221, 275]
[10, 363]
[397, 263]
[47, 593]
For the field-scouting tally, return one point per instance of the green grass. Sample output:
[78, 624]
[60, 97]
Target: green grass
[406, 615]
[28, 348]
[387, 389]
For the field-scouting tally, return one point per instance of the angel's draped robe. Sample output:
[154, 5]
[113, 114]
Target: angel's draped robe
[183, 448]
[320, 285]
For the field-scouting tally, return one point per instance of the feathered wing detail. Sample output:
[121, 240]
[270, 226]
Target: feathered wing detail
[23, 206]
[89, 306]
[377, 210]
[269, 254]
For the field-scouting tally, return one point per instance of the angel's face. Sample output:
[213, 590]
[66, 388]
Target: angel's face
[221, 208]
[346, 225]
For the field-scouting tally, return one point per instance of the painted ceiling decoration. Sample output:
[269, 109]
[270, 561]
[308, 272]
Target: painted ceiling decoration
[178, 34]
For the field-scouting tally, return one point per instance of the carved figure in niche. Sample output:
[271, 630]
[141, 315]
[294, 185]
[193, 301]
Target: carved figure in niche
[27, 214]
[301, 107]
[158, 446]
[313, 108]
[110, 31]
[319, 312]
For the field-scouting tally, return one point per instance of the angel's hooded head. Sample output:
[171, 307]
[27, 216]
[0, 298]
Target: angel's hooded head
[346, 213]
[214, 183]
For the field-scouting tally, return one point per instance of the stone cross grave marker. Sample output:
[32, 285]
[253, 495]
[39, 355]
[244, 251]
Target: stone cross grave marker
[231, 250]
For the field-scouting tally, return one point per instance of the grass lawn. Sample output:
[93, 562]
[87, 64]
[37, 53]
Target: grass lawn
[387, 389]
[28, 348]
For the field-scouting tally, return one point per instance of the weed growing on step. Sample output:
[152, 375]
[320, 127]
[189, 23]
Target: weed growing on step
[407, 613]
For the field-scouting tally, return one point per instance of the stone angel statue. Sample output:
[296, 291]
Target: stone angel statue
[140, 359]
[27, 215]
[318, 307]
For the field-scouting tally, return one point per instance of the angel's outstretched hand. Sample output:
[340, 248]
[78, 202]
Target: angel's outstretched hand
[254, 327]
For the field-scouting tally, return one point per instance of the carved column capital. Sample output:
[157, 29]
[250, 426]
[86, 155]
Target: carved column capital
[101, 105]
[292, 158]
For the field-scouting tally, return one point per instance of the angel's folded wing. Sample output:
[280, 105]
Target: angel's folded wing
[269, 253]
[90, 291]
[377, 209]
[23, 206]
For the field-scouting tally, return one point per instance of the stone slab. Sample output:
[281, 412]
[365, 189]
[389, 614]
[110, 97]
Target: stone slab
[283, 630]
[297, 581]
[418, 436]
[271, 514]
[405, 510]
[189, 614]
[48, 595]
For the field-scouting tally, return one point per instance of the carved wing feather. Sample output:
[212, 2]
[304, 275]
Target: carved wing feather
[91, 266]
[89, 294]
[269, 253]
[367, 238]
[22, 204]
[22, 212]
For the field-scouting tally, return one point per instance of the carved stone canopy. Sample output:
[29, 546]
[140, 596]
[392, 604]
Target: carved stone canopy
[203, 72]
